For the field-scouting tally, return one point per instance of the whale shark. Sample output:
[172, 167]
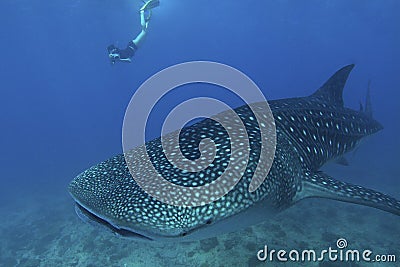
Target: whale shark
[310, 131]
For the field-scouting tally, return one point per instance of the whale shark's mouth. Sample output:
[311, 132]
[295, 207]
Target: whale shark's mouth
[87, 216]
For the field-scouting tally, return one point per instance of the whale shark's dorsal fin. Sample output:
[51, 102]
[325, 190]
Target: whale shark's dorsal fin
[332, 90]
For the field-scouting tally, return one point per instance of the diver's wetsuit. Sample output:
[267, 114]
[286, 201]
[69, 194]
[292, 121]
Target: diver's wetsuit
[123, 55]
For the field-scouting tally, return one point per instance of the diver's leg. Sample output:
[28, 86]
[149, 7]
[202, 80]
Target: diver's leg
[139, 39]
[144, 22]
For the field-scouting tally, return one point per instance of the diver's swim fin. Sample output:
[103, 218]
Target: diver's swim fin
[148, 5]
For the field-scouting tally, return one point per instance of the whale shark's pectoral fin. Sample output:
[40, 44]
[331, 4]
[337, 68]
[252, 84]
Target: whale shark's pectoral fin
[319, 184]
[342, 161]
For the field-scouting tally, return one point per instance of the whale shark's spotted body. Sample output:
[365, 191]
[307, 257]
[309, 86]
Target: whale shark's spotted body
[310, 131]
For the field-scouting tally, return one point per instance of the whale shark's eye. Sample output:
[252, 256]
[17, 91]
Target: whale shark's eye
[209, 221]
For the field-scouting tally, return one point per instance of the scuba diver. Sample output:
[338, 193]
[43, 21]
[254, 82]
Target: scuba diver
[124, 55]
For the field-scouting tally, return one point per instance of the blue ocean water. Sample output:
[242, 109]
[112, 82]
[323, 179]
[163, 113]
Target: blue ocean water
[62, 105]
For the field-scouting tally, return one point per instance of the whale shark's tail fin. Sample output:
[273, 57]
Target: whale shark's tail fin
[368, 103]
[322, 185]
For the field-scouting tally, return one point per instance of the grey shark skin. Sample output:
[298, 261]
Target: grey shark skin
[310, 131]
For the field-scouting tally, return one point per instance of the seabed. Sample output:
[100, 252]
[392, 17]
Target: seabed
[45, 231]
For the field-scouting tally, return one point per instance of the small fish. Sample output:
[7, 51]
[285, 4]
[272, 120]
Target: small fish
[310, 131]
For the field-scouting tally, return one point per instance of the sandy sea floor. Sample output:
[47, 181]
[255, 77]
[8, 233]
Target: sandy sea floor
[45, 231]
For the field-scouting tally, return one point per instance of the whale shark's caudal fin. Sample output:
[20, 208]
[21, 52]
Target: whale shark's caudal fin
[319, 184]
[368, 103]
[332, 90]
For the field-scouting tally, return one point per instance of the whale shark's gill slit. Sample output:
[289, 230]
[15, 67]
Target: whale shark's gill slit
[118, 231]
